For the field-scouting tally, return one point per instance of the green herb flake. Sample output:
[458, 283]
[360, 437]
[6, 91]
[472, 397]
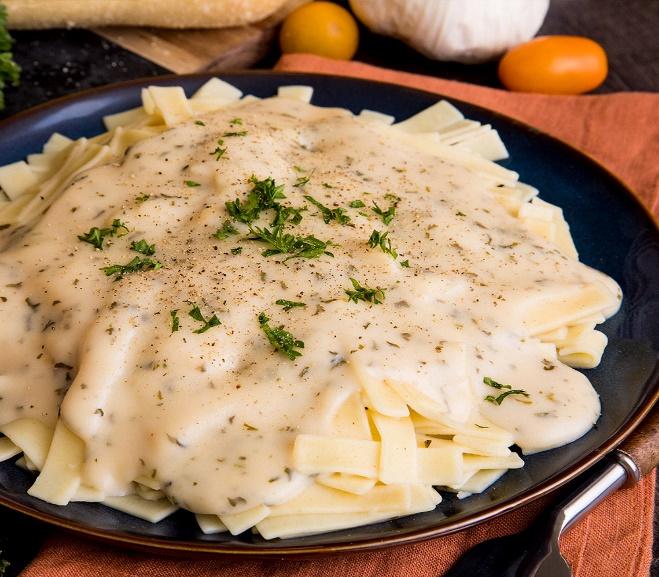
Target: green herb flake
[337, 214]
[386, 215]
[96, 236]
[235, 121]
[232, 134]
[262, 196]
[364, 293]
[143, 247]
[237, 250]
[199, 123]
[138, 264]
[175, 320]
[280, 339]
[286, 214]
[10, 72]
[302, 181]
[382, 240]
[356, 204]
[192, 183]
[142, 198]
[405, 263]
[225, 231]
[288, 305]
[213, 321]
[508, 390]
[219, 150]
[286, 243]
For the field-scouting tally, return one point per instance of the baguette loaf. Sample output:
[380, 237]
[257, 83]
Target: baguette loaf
[32, 14]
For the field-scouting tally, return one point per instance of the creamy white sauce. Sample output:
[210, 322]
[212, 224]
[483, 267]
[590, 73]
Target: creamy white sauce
[214, 415]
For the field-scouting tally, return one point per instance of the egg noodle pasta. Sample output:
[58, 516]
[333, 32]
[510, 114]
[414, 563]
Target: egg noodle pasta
[285, 318]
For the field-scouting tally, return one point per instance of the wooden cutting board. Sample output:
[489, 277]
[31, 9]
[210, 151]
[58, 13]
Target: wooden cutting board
[187, 51]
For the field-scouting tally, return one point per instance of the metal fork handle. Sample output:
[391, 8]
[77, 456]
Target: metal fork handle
[620, 471]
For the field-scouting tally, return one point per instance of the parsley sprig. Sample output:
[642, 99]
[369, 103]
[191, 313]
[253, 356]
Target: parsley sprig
[138, 264]
[10, 72]
[286, 214]
[288, 305]
[262, 196]
[296, 246]
[382, 240]
[220, 150]
[175, 320]
[508, 390]
[364, 293]
[195, 313]
[386, 215]
[96, 236]
[225, 231]
[280, 339]
[143, 247]
[329, 214]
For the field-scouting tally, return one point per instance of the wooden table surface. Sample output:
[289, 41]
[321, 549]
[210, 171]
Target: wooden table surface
[58, 62]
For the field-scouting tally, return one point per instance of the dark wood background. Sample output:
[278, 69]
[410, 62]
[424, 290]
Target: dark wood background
[59, 62]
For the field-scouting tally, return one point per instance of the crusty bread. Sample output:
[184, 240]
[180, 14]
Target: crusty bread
[32, 14]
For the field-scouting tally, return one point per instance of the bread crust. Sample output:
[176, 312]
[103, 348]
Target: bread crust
[35, 14]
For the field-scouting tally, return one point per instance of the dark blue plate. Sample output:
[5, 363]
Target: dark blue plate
[612, 231]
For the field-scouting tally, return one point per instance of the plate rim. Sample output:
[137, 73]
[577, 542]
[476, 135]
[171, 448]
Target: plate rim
[210, 548]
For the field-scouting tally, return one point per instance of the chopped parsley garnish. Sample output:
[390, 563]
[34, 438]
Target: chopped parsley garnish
[364, 293]
[142, 198]
[284, 243]
[225, 231]
[219, 151]
[288, 305]
[500, 398]
[492, 383]
[96, 236]
[386, 215]
[263, 195]
[405, 263]
[287, 214]
[230, 134]
[10, 72]
[280, 339]
[328, 214]
[356, 204]
[237, 250]
[236, 121]
[382, 240]
[143, 247]
[138, 264]
[195, 313]
[302, 181]
[192, 183]
[175, 320]
[199, 123]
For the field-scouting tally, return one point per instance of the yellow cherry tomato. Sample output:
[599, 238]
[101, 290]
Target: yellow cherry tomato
[321, 28]
[554, 65]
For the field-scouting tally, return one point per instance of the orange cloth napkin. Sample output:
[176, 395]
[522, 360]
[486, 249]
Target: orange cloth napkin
[615, 540]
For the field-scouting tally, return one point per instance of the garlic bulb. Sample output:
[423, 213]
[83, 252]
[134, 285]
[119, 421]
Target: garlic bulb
[462, 30]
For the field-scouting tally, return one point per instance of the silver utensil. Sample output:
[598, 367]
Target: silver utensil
[535, 552]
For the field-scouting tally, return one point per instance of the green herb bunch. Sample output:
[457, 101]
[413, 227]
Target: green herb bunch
[10, 72]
